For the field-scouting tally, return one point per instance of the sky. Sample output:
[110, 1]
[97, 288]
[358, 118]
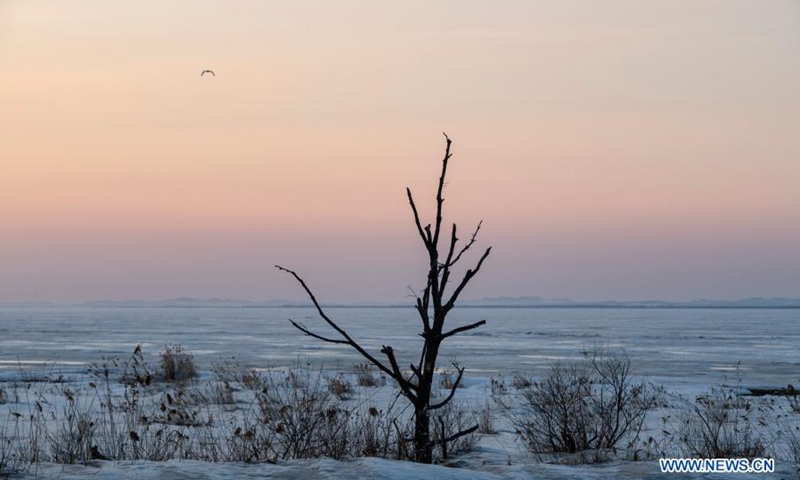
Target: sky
[622, 149]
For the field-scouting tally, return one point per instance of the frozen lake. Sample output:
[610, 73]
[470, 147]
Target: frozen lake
[676, 347]
[687, 351]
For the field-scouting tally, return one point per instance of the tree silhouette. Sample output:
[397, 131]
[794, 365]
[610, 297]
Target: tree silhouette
[432, 305]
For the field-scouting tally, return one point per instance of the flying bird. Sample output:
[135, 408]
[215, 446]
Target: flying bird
[208, 71]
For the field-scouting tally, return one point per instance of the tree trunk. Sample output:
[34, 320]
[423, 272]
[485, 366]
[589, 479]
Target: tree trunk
[423, 449]
[423, 446]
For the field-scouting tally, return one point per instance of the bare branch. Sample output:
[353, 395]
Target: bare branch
[463, 329]
[468, 245]
[404, 384]
[422, 354]
[467, 277]
[439, 199]
[423, 313]
[453, 239]
[413, 292]
[460, 434]
[422, 307]
[336, 327]
[416, 216]
[308, 332]
[422, 310]
[445, 267]
[452, 391]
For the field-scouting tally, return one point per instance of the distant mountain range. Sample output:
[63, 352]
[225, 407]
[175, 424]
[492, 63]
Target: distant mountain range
[752, 302]
[197, 302]
[499, 302]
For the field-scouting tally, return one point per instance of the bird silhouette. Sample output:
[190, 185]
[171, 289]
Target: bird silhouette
[208, 71]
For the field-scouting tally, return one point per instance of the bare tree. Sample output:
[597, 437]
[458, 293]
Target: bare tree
[433, 305]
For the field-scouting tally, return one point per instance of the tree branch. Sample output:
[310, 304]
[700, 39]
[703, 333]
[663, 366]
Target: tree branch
[308, 332]
[416, 371]
[453, 239]
[445, 267]
[405, 385]
[460, 434]
[463, 329]
[467, 277]
[469, 244]
[452, 391]
[336, 327]
[439, 199]
[423, 312]
[416, 216]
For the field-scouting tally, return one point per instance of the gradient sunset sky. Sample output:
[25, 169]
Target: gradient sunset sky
[626, 149]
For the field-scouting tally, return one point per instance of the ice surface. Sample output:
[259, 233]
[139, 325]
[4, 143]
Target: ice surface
[685, 350]
[678, 347]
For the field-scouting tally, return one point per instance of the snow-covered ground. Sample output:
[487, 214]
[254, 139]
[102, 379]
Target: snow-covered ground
[370, 468]
[684, 350]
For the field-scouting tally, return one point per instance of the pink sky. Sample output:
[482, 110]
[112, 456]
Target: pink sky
[617, 149]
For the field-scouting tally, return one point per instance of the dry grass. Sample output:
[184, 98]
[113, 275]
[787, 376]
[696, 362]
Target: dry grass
[232, 372]
[364, 376]
[340, 387]
[717, 425]
[486, 424]
[176, 364]
[122, 413]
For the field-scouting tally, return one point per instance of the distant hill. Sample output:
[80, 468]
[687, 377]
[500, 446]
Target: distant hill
[507, 302]
[762, 302]
[194, 302]
[528, 301]
[753, 302]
